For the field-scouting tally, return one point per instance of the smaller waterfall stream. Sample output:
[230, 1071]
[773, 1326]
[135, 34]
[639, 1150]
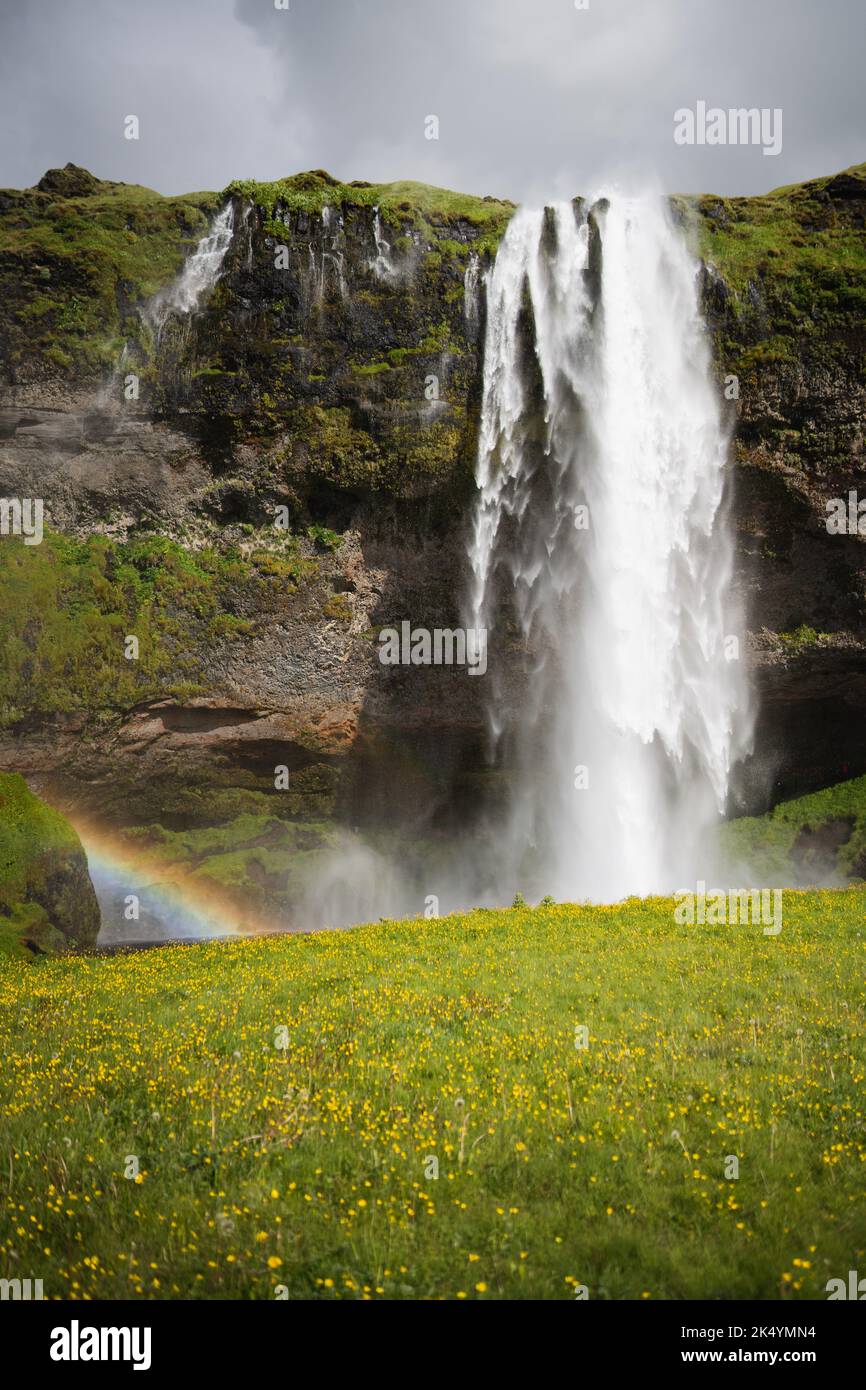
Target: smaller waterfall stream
[382, 264]
[200, 272]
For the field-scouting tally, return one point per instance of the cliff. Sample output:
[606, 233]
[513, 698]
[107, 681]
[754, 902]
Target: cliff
[334, 371]
[785, 295]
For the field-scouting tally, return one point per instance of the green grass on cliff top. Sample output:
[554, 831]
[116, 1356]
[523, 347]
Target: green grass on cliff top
[803, 243]
[73, 268]
[313, 191]
[76, 259]
[445, 1046]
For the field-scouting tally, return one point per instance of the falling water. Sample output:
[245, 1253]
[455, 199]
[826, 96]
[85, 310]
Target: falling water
[330, 255]
[200, 272]
[471, 309]
[382, 264]
[600, 551]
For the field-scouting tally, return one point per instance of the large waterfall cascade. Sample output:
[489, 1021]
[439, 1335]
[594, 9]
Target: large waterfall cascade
[600, 547]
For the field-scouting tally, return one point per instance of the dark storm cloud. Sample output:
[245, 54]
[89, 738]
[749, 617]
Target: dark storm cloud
[534, 97]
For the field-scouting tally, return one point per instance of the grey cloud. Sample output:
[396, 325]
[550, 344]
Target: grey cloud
[535, 98]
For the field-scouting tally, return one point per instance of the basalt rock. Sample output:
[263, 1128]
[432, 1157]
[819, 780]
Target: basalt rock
[785, 296]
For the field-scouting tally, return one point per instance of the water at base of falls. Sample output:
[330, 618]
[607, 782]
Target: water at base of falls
[600, 547]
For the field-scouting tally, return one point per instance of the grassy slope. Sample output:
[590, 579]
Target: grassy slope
[67, 606]
[453, 1039]
[791, 231]
[798, 252]
[768, 844]
[421, 202]
[72, 269]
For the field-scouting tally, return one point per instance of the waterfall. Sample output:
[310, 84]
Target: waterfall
[382, 264]
[600, 554]
[470, 294]
[200, 272]
[331, 255]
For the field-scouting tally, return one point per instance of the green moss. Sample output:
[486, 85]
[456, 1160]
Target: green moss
[61, 359]
[290, 566]
[336, 448]
[339, 608]
[769, 350]
[767, 844]
[37, 309]
[44, 902]
[78, 265]
[66, 607]
[370, 368]
[28, 827]
[323, 537]
[800, 251]
[803, 637]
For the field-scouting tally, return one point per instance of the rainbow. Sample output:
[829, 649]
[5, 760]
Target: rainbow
[172, 902]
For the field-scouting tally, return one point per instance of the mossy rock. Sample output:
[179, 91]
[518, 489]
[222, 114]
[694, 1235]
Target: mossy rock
[47, 902]
[818, 838]
[256, 864]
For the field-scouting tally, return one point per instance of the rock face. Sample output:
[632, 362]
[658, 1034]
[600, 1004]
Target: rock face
[47, 902]
[785, 297]
[331, 376]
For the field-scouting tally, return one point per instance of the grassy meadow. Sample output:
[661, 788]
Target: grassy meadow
[158, 1141]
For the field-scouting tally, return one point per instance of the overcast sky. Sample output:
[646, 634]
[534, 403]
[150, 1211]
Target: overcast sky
[535, 98]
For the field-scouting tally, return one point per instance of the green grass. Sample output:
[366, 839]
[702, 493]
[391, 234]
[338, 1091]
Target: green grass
[67, 605]
[73, 269]
[405, 201]
[311, 1168]
[35, 843]
[801, 249]
[403, 205]
[820, 837]
[47, 902]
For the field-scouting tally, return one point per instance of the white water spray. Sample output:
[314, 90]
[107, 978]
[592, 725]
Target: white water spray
[200, 272]
[600, 525]
[382, 264]
[330, 256]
